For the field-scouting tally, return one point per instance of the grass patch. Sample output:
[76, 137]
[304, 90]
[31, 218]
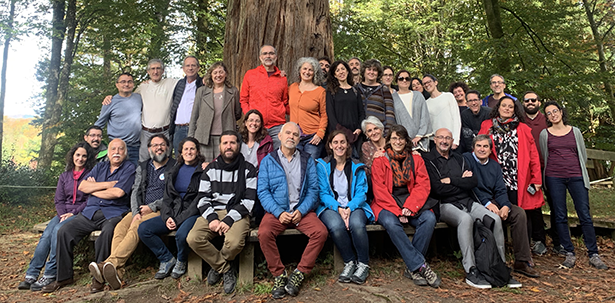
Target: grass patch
[601, 202]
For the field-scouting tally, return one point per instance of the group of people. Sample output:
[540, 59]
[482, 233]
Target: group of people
[356, 150]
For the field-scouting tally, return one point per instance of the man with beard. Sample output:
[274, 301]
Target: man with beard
[108, 184]
[497, 85]
[93, 136]
[288, 190]
[355, 69]
[226, 197]
[145, 203]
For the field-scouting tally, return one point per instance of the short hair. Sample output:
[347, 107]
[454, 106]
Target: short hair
[455, 85]
[199, 156]
[482, 137]
[497, 75]
[330, 139]
[372, 63]
[230, 132]
[261, 48]
[473, 91]
[195, 58]
[355, 58]
[401, 131]
[152, 61]
[209, 81]
[531, 92]
[519, 112]
[371, 120]
[432, 77]
[161, 136]
[89, 163]
[318, 77]
[87, 131]
[124, 74]
[243, 131]
[324, 58]
[404, 71]
[561, 109]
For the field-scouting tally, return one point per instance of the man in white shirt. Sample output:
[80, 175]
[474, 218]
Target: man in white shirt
[183, 100]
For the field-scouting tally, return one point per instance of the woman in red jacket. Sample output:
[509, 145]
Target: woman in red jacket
[514, 148]
[401, 187]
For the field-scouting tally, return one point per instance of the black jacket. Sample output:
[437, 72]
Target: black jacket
[178, 93]
[459, 191]
[141, 183]
[173, 206]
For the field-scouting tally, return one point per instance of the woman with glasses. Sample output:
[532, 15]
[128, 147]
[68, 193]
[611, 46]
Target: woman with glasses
[563, 150]
[411, 112]
[388, 78]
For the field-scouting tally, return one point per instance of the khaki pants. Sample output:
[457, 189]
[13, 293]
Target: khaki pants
[125, 241]
[234, 241]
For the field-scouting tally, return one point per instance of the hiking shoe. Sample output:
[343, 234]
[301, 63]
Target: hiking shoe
[110, 275]
[165, 269]
[26, 284]
[179, 270]
[415, 277]
[55, 285]
[559, 250]
[430, 276]
[96, 286]
[42, 282]
[539, 248]
[349, 269]
[279, 291]
[213, 277]
[524, 268]
[595, 261]
[230, 280]
[96, 271]
[570, 260]
[475, 279]
[512, 283]
[294, 283]
[360, 275]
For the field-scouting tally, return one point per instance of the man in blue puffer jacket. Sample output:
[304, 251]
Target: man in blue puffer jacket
[288, 191]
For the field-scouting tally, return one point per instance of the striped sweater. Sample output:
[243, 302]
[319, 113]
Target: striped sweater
[378, 102]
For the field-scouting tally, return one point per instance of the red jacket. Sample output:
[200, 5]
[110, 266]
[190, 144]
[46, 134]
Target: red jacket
[267, 94]
[382, 184]
[528, 165]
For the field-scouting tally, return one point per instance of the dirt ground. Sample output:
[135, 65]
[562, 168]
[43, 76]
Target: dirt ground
[385, 284]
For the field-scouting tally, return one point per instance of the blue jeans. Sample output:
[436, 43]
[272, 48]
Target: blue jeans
[46, 247]
[580, 196]
[411, 255]
[133, 154]
[313, 150]
[151, 230]
[345, 240]
[181, 132]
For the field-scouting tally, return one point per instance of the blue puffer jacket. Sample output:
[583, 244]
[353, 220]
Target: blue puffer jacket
[358, 192]
[273, 188]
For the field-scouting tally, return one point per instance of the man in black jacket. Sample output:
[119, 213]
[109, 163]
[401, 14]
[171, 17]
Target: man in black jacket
[183, 99]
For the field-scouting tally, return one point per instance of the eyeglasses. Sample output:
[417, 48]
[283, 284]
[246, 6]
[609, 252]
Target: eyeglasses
[497, 82]
[427, 82]
[553, 112]
[400, 79]
[158, 145]
[447, 138]
[530, 100]
[473, 100]
[95, 135]
[268, 53]
[397, 139]
[126, 82]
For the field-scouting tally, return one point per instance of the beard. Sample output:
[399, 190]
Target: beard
[158, 158]
[232, 157]
[531, 111]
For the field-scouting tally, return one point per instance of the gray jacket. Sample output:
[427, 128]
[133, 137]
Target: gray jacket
[417, 125]
[203, 112]
[578, 137]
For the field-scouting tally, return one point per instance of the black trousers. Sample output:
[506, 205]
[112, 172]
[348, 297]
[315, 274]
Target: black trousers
[72, 232]
[535, 221]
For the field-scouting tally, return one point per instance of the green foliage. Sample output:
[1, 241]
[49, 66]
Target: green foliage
[12, 174]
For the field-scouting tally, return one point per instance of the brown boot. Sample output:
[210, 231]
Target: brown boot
[96, 286]
[56, 285]
[524, 268]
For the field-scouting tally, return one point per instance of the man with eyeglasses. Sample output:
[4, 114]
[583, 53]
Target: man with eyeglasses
[472, 118]
[443, 110]
[265, 88]
[122, 116]
[497, 84]
[93, 136]
[183, 100]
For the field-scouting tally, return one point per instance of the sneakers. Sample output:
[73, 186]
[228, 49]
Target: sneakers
[475, 279]
[559, 250]
[349, 269]
[570, 260]
[213, 277]
[26, 284]
[110, 275]
[539, 248]
[279, 284]
[165, 269]
[42, 282]
[96, 271]
[179, 270]
[360, 274]
[430, 276]
[524, 268]
[294, 283]
[230, 280]
[415, 277]
[512, 283]
[596, 262]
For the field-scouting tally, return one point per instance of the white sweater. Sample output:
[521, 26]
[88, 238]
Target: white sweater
[444, 113]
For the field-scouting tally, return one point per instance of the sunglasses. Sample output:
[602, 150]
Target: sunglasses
[403, 79]
[530, 100]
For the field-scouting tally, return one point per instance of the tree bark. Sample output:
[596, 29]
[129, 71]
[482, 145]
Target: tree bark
[494, 24]
[5, 58]
[296, 28]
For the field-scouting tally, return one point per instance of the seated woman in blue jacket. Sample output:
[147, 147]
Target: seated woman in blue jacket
[343, 206]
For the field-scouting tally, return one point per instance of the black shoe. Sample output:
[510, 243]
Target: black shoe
[25, 284]
[294, 283]
[230, 280]
[42, 282]
[213, 277]
[279, 291]
[475, 279]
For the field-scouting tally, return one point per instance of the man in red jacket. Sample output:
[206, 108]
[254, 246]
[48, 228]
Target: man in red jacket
[266, 89]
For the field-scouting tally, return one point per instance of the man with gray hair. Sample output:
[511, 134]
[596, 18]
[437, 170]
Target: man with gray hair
[497, 84]
[355, 69]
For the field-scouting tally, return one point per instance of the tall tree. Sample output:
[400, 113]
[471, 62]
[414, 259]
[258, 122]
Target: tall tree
[5, 57]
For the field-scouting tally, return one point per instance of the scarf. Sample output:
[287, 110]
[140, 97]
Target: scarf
[239, 165]
[76, 176]
[504, 126]
[401, 164]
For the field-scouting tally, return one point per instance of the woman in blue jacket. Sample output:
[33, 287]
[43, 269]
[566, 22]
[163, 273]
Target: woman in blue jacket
[343, 206]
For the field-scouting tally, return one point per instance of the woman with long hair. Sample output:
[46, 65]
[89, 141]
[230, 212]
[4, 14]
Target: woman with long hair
[69, 201]
[256, 141]
[563, 150]
[417, 85]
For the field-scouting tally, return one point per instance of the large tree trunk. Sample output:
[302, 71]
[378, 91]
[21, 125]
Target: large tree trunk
[5, 58]
[494, 24]
[296, 28]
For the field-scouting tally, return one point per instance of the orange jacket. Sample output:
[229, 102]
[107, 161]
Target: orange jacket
[269, 95]
[309, 109]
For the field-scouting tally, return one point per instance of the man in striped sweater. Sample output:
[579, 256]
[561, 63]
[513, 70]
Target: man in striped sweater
[226, 197]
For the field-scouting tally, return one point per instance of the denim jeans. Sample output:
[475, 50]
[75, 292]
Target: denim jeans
[410, 254]
[181, 132]
[133, 154]
[580, 197]
[46, 247]
[313, 150]
[345, 240]
[151, 230]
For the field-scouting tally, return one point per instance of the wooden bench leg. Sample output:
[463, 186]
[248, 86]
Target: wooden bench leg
[195, 266]
[246, 264]
[338, 262]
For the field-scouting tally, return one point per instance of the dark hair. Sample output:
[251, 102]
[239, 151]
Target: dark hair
[407, 72]
[455, 85]
[209, 82]
[388, 67]
[372, 63]
[330, 138]
[401, 131]
[87, 131]
[124, 74]
[161, 136]
[230, 132]
[89, 163]
[519, 112]
[473, 91]
[195, 58]
[531, 92]
[324, 58]
[199, 157]
[432, 77]
[561, 109]
[417, 79]
[243, 130]
[332, 82]
[482, 137]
